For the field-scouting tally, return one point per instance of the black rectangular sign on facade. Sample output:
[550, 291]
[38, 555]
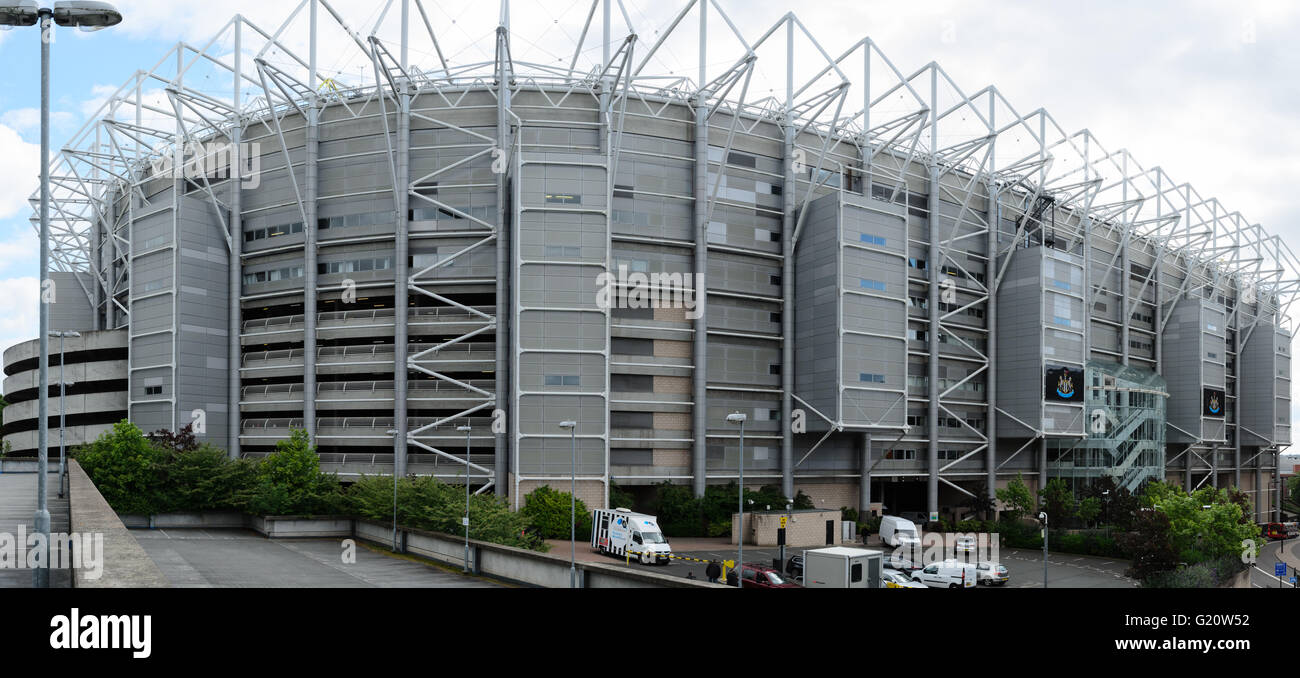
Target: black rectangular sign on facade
[1063, 384]
[1213, 401]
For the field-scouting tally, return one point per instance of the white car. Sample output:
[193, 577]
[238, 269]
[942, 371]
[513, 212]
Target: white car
[966, 545]
[897, 580]
[950, 574]
[989, 574]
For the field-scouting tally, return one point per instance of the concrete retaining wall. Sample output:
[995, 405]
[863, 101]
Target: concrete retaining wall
[517, 565]
[126, 565]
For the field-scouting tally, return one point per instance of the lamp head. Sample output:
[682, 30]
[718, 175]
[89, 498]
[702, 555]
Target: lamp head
[19, 13]
[568, 425]
[86, 15]
[736, 418]
[465, 428]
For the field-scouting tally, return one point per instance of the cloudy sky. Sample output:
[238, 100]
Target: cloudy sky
[1207, 90]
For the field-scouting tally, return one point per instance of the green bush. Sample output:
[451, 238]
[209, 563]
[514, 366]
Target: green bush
[125, 468]
[206, 479]
[289, 481]
[550, 512]
[1209, 574]
[849, 514]
[430, 504]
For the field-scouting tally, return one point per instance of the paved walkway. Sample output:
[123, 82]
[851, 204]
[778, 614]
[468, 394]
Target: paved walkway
[244, 559]
[17, 511]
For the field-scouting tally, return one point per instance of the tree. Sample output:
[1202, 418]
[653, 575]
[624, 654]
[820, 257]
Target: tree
[1149, 545]
[289, 480]
[1016, 499]
[1058, 501]
[1294, 484]
[177, 441]
[549, 511]
[981, 504]
[124, 467]
[1197, 533]
[1089, 509]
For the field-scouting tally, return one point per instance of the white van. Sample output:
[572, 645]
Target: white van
[949, 574]
[897, 531]
[618, 531]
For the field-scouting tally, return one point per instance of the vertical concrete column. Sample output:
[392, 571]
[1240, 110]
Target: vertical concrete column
[789, 201]
[700, 377]
[1042, 464]
[1236, 410]
[504, 272]
[991, 321]
[934, 266]
[864, 492]
[309, 194]
[1187, 467]
[401, 271]
[234, 349]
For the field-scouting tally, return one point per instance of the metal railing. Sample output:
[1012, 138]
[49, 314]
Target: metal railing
[288, 322]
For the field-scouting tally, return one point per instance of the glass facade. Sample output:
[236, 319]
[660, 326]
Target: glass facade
[1125, 409]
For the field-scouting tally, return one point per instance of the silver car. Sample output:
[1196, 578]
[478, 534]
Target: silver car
[989, 574]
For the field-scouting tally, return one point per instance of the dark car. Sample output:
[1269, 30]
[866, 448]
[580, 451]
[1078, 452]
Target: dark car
[794, 567]
[755, 576]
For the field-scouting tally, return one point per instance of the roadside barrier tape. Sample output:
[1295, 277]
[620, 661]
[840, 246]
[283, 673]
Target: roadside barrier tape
[671, 556]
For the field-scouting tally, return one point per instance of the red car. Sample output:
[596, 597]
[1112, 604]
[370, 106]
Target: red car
[755, 576]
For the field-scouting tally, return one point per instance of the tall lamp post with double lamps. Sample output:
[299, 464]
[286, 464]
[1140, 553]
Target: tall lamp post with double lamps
[87, 16]
[739, 418]
[572, 427]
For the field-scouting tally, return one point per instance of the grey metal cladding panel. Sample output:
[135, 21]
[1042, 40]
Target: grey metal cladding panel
[817, 308]
[862, 313]
[734, 360]
[553, 456]
[742, 315]
[874, 355]
[1256, 397]
[562, 330]
[559, 285]
[879, 408]
[739, 273]
[539, 414]
[71, 309]
[154, 313]
[587, 367]
[1182, 365]
[1020, 337]
[869, 221]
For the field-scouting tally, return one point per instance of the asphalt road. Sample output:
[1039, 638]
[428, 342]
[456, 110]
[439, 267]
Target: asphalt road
[1024, 567]
[1260, 575]
[242, 558]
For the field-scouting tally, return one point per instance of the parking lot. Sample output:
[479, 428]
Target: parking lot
[1025, 567]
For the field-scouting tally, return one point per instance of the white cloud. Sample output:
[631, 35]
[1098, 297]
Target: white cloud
[20, 170]
[25, 120]
[19, 314]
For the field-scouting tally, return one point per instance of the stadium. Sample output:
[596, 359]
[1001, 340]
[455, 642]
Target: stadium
[915, 292]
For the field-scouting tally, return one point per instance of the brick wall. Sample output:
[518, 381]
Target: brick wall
[666, 348]
[804, 528]
[590, 492]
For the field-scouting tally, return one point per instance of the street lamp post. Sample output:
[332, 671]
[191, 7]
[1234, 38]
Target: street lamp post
[739, 418]
[572, 427]
[63, 407]
[87, 16]
[393, 432]
[466, 428]
[1042, 515]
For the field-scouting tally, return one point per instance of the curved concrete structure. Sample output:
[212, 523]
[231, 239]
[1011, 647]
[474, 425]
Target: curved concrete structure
[96, 394]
